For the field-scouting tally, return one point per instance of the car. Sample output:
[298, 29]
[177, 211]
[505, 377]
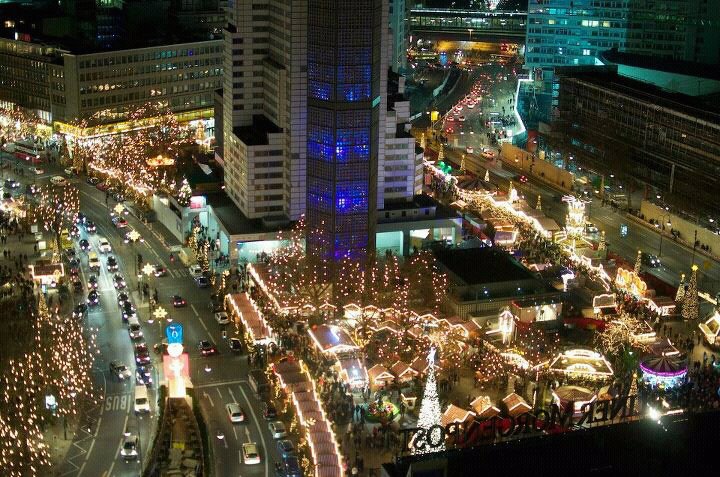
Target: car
[104, 245]
[129, 449]
[202, 282]
[235, 412]
[216, 307]
[93, 180]
[90, 227]
[74, 232]
[488, 155]
[70, 253]
[11, 184]
[58, 181]
[206, 348]
[77, 285]
[277, 429]
[521, 178]
[122, 298]
[142, 355]
[93, 299]
[71, 171]
[269, 411]
[160, 271]
[250, 453]
[590, 228]
[92, 282]
[84, 245]
[222, 318]
[103, 186]
[119, 370]
[36, 170]
[143, 375]
[178, 301]
[195, 271]
[135, 331]
[650, 260]
[112, 264]
[450, 119]
[80, 311]
[461, 119]
[235, 345]
[128, 310]
[93, 262]
[285, 448]
[119, 222]
[119, 282]
[291, 466]
[469, 149]
[80, 218]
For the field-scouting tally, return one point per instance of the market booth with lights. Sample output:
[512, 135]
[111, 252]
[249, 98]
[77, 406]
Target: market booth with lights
[664, 371]
[581, 363]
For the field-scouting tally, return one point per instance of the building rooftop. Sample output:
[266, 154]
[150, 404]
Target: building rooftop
[231, 217]
[478, 266]
[606, 77]
[669, 65]
[257, 133]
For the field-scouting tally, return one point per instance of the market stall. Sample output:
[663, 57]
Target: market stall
[244, 310]
[403, 372]
[580, 362]
[664, 371]
[711, 329]
[516, 405]
[454, 414]
[379, 376]
[484, 407]
[573, 396]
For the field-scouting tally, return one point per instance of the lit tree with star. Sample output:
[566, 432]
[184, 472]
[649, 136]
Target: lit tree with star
[690, 302]
[430, 412]
[680, 295]
[185, 193]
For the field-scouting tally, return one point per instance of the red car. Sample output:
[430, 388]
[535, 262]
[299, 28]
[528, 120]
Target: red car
[178, 301]
[102, 186]
[206, 348]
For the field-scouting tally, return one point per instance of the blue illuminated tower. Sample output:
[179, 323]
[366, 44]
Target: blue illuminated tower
[343, 116]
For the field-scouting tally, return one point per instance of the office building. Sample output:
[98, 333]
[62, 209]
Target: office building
[573, 33]
[312, 124]
[398, 35]
[666, 141]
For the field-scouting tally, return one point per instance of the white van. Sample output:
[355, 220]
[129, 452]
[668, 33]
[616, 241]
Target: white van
[142, 403]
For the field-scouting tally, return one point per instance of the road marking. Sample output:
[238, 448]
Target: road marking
[209, 399]
[247, 434]
[240, 456]
[235, 432]
[194, 310]
[219, 393]
[221, 383]
[203, 325]
[97, 429]
[262, 437]
[232, 395]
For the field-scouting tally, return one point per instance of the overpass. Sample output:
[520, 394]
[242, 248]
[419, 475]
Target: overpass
[469, 24]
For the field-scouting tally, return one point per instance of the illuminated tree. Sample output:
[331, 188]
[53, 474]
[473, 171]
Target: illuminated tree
[17, 124]
[638, 262]
[690, 302]
[536, 345]
[185, 193]
[680, 295]
[428, 285]
[488, 363]
[621, 336]
[602, 245]
[203, 255]
[430, 412]
[57, 208]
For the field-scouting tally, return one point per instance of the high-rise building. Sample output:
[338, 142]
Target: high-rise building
[398, 32]
[574, 32]
[345, 74]
[311, 123]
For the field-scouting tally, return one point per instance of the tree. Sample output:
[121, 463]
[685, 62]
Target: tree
[638, 262]
[185, 193]
[430, 412]
[621, 335]
[57, 209]
[690, 302]
[680, 295]
[536, 345]
[488, 363]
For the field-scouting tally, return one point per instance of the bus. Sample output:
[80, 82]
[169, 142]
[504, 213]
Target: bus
[25, 150]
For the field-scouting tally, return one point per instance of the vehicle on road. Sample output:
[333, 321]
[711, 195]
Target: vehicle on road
[277, 429]
[143, 375]
[235, 345]
[129, 450]
[206, 348]
[93, 299]
[58, 181]
[142, 355]
[195, 271]
[222, 318]
[259, 382]
[285, 448]
[11, 184]
[650, 260]
[77, 285]
[122, 298]
[269, 411]
[521, 178]
[92, 282]
[202, 282]
[93, 180]
[104, 245]
[250, 453]
[112, 264]
[80, 311]
[119, 371]
[142, 403]
[160, 271]
[36, 170]
[128, 310]
[178, 301]
[103, 186]
[235, 412]
[84, 245]
[291, 466]
[470, 149]
[90, 227]
[71, 171]
[119, 282]
[590, 228]
[134, 329]
[119, 222]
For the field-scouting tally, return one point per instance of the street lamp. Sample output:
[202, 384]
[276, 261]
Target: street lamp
[669, 224]
[148, 270]
[159, 314]
[133, 236]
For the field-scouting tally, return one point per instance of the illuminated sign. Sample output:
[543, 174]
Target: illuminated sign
[174, 333]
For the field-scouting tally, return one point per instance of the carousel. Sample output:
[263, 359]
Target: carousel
[664, 371]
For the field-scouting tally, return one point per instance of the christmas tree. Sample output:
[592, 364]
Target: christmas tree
[487, 175]
[462, 163]
[602, 245]
[430, 412]
[690, 303]
[680, 295]
[441, 153]
[184, 194]
[638, 262]
[538, 206]
[422, 141]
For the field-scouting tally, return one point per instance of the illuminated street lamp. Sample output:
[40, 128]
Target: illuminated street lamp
[149, 271]
[119, 209]
[133, 236]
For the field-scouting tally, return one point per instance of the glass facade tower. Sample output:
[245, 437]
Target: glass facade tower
[344, 63]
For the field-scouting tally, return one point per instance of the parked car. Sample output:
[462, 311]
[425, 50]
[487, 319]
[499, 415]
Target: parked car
[285, 448]
[58, 181]
[222, 318]
[93, 180]
[195, 271]
[235, 345]
[277, 429]
[202, 282]
[269, 411]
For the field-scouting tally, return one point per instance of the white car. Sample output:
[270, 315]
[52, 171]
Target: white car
[471, 105]
[58, 181]
[36, 170]
[196, 271]
[235, 412]
[277, 429]
[135, 331]
[250, 453]
[104, 245]
[222, 318]
[469, 149]
[129, 449]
